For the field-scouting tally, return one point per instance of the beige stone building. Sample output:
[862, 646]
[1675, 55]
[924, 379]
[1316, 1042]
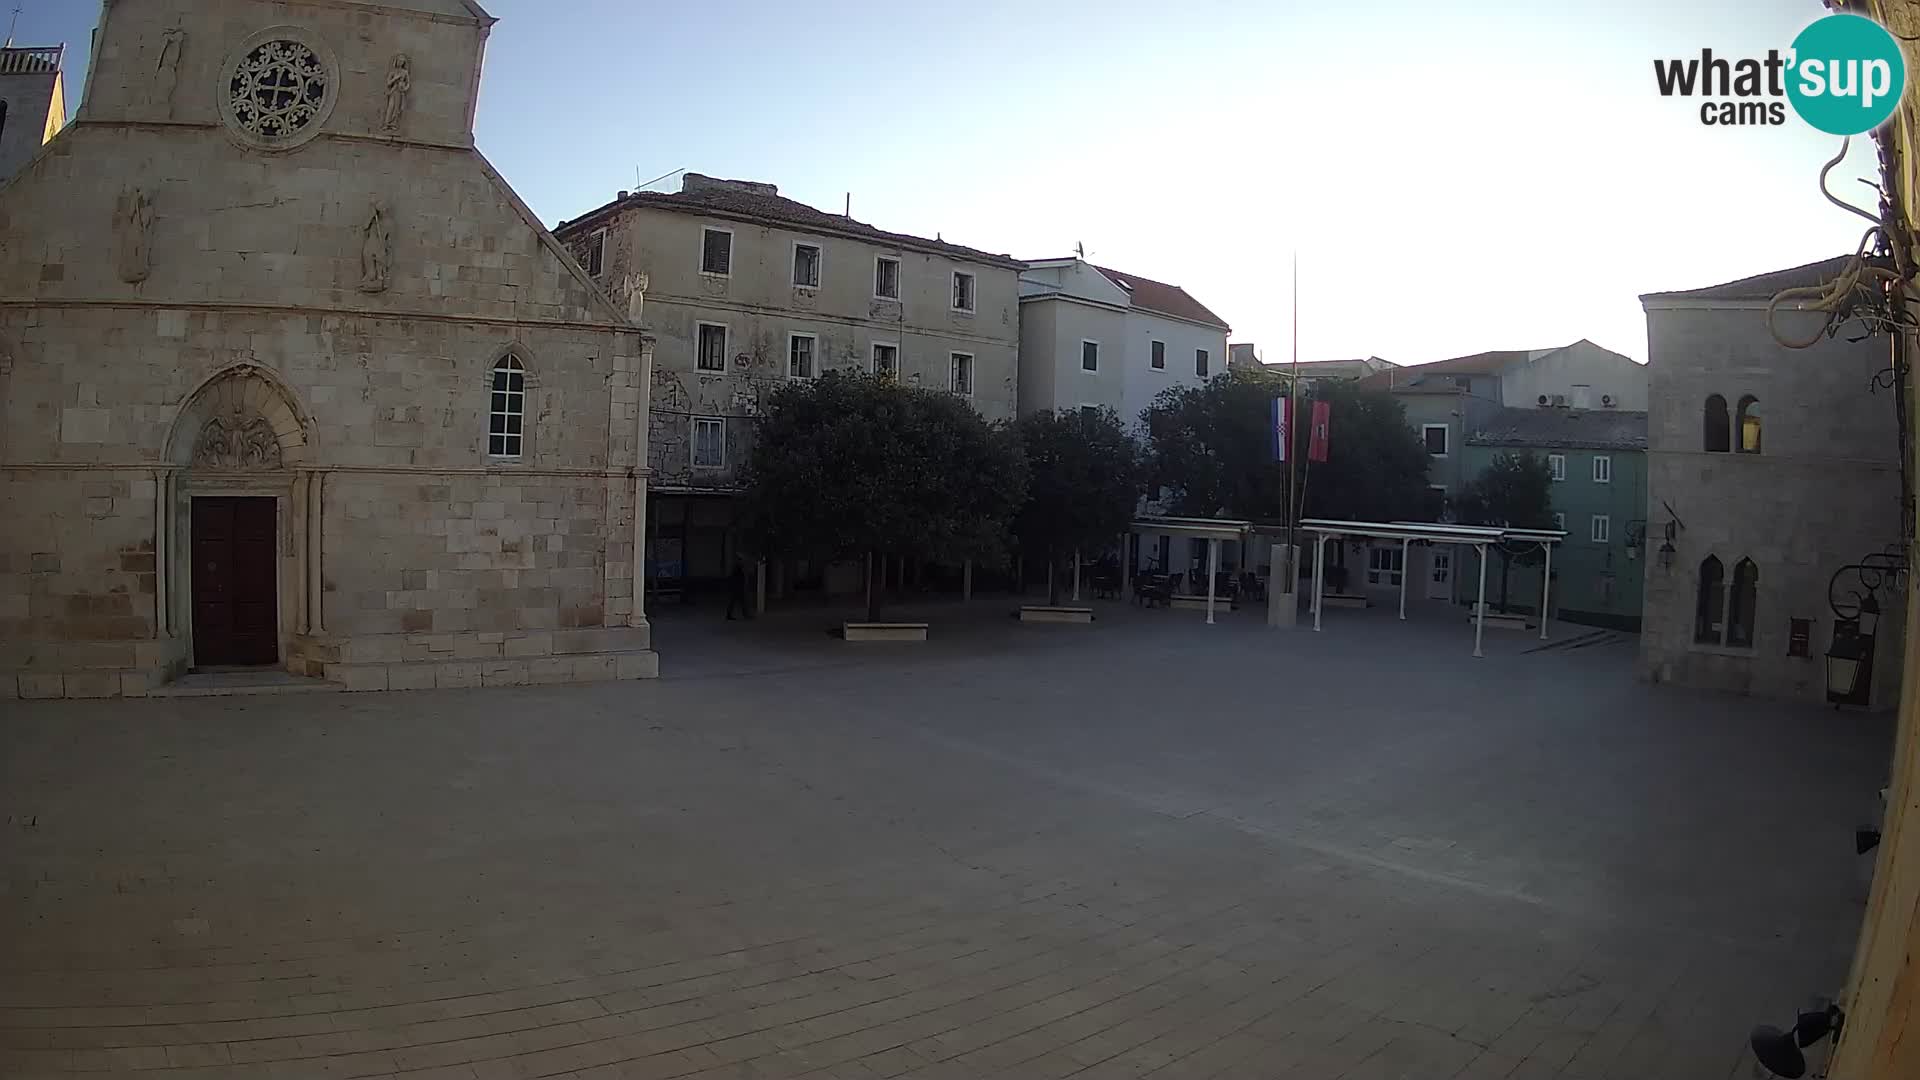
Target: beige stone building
[289, 376]
[1774, 495]
[746, 290]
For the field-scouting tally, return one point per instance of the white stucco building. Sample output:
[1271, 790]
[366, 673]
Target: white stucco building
[1093, 336]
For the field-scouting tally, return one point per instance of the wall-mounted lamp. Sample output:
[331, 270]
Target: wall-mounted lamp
[1779, 1052]
[1667, 551]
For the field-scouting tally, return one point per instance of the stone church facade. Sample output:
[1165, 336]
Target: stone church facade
[289, 375]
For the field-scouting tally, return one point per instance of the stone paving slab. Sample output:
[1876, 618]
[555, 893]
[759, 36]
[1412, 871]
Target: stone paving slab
[1145, 848]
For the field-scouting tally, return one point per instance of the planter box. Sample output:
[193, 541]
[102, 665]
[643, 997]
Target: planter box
[884, 631]
[1044, 613]
[1199, 603]
[1328, 600]
[1497, 621]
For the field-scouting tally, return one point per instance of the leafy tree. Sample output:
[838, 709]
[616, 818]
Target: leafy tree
[1083, 483]
[850, 465]
[1210, 448]
[1515, 490]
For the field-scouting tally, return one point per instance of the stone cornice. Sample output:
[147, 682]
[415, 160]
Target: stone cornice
[242, 307]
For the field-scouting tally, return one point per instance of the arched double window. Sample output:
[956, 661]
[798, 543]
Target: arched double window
[1711, 602]
[1747, 424]
[1726, 615]
[507, 411]
[1715, 433]
[1741, 603]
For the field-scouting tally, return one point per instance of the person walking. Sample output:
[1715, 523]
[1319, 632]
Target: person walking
[737, 590]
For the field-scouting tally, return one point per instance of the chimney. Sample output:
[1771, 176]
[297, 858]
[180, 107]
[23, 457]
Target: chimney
[621, 197]
[694, 181]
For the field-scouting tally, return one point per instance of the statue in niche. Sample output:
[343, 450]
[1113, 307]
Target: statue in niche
[636, 296]
[237, 444]
[133, 230]
[167, 69]
[399, 81]
[376, 250]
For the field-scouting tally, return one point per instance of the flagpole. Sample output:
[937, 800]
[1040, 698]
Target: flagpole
[1293, 404]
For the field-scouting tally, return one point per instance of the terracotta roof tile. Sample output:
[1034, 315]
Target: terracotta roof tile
[1761, 286]
[1158, 296]
[1597, 429]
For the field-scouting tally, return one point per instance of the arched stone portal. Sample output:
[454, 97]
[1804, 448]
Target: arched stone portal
[241, 521]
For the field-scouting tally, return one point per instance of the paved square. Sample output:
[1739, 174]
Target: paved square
[1146, 848]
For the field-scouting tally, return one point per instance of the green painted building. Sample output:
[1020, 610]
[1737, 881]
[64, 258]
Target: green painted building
[1599, 463]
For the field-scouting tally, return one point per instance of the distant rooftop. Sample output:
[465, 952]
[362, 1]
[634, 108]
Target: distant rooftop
[1563, 429]
[1761, 286]
[750, 200]
[1162, 298]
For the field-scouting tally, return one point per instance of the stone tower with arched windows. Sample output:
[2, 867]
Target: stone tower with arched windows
[1773, 495]
[289, 376]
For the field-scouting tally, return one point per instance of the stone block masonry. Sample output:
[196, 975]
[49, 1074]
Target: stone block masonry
[247, 393]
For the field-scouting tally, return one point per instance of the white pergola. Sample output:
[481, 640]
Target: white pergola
[1212, 530]
[1479, 536]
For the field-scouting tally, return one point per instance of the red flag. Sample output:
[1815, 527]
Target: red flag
[1317, 443]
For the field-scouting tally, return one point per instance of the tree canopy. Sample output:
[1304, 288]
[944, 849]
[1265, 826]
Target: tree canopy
[851, 464]
[1515, 490]
[1210, 449]
[1083, 481]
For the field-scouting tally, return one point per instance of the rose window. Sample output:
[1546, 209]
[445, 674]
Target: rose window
[277, 89]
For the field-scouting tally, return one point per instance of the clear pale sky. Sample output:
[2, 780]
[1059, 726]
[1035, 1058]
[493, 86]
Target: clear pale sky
[1456, 176]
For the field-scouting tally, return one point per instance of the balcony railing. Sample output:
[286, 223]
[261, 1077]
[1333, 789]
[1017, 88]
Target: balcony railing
[27, 61]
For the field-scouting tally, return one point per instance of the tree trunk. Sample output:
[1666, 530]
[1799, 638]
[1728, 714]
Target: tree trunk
[876, 581]
[1053, 579]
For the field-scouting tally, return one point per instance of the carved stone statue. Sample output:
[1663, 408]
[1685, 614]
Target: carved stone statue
[133, 235]
[636, 296]
[237, 443]
[376, 250]
[166, 73]
[399, 81]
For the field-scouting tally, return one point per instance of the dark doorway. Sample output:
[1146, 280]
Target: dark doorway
[235, 614]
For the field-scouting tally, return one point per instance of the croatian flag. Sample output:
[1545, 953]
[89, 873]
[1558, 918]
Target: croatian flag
[1282, 426]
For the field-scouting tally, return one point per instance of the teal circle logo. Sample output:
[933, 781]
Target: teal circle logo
[1848, 75]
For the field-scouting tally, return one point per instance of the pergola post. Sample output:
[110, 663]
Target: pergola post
[1076, 575]
[966, 581]
[760, 587]
[1213, 571]
[1480, 606]
[1546, 589]
[1319, 574]
[1126, 565]
[1405, 567]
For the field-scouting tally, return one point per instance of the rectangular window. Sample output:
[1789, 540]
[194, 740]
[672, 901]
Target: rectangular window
[886, 278]
[1602, 530]
[508, 408]
[1560, 522]
[593, 256]
[886, 360]
[800, 356]
[1557, 466]
[962, 291]
[1200, 360]
[961, 381]
[1089, 412]
[1384, 565]
[1159, 356]
[1800, 637]
[716, 252]
[1436, 438]
[712, 352]
[1602, 470]
[806, 266]
[709, 442]
[1089, 356]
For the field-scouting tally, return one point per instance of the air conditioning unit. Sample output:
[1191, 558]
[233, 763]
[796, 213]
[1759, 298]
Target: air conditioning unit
[1606, 401]
[1560, 399]
[1543, 399]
